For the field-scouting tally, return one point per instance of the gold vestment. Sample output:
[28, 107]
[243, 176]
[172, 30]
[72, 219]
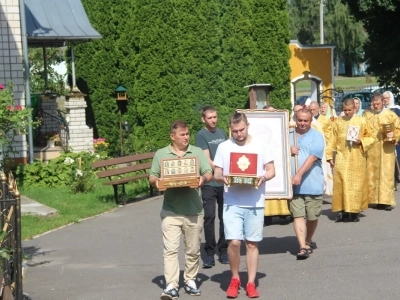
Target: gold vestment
[349, 174]
[326, 125]
[381, 159]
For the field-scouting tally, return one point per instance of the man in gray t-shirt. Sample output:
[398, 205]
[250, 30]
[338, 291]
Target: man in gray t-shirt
[208, 139]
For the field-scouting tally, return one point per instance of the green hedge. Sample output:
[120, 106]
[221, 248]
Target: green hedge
[175, 57]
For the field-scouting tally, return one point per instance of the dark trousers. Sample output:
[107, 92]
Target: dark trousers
[212, 197]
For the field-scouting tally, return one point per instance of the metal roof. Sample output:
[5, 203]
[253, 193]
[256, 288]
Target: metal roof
[52, 22]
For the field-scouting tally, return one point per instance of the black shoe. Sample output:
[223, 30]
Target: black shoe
[341, 216]
[209, 262]
[380, 206]
[355, 217]
[223, 259]
[388, 208]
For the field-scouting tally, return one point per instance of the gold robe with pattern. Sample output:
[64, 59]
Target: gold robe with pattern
[326, 167]
[349, 175]
[326, 125]
[381, 159]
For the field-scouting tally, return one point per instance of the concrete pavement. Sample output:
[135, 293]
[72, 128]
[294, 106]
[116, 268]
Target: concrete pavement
[29, 206]
[118, 255]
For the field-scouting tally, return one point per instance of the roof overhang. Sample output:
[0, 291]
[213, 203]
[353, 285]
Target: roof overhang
[51, 23]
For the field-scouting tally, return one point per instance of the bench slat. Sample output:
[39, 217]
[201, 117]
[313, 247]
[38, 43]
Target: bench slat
[122, 160]
[125, 180]
[124, 170]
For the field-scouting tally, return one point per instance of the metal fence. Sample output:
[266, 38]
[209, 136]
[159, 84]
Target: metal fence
[10, 239]
[364, 93]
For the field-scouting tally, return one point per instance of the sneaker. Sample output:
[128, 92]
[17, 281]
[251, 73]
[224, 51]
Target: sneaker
[251, 290]
[191, 288]
[233, 288]
[170, 293]
[209, 262]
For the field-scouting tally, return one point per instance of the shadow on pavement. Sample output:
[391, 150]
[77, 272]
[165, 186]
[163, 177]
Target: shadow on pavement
[224, 279]
[160, 280]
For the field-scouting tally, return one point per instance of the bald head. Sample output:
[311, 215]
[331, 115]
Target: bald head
[314, 108]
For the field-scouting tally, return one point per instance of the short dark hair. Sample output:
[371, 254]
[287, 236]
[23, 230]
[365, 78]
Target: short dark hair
[207, 108]
[377, 96]
[237, 118]
[178, 124]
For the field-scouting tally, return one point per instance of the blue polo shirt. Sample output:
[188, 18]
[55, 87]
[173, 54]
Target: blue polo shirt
[310, 143]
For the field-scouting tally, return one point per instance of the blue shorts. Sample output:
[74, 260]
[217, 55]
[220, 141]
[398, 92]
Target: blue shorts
[243, 223]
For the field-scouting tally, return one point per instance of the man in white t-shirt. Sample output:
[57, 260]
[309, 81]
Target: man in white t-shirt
[243, 204]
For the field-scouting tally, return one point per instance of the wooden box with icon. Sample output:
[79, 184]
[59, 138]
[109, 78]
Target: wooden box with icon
[179, 172]
[243, 169]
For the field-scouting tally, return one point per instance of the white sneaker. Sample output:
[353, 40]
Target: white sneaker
[170, 293]
[190, 287]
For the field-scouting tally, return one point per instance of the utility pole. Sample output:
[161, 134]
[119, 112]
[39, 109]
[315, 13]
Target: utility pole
[321, 20]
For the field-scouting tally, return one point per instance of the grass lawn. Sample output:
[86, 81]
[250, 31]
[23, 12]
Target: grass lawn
[71, 207]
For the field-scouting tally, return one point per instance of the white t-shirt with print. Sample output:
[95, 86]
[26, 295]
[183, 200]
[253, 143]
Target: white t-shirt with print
[241, 194]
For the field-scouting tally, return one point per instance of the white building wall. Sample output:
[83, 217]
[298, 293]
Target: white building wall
[11, 70]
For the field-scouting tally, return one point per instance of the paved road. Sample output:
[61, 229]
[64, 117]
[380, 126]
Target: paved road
[118, 255]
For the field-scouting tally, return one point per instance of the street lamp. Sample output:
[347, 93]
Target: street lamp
[122, 98]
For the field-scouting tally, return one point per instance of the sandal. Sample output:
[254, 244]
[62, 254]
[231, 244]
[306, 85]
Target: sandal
[303, 253]
[312, 245]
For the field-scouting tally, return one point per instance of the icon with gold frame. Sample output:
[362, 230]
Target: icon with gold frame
[243, 169]
[179, 172]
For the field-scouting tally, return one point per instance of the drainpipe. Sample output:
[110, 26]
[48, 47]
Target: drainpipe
[27, 85]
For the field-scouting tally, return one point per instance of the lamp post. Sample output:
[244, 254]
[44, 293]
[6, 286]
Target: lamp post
[122, 98]
[126, 128]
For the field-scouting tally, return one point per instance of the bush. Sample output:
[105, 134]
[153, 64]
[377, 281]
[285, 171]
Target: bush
[71, 170]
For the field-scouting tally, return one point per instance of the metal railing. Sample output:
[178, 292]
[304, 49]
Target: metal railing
[58, 124]
[10, 239]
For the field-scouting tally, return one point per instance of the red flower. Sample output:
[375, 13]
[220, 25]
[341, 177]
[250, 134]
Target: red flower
[10, 107]
[1, 87]
[18, 107]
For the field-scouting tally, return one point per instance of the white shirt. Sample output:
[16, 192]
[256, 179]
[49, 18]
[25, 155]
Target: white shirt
[241, 194]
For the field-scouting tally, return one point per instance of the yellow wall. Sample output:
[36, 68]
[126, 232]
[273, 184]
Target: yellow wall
[316, 60]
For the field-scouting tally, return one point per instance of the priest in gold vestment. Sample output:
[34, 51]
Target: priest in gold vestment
[323, 125]
[381, 157]
[350, 165]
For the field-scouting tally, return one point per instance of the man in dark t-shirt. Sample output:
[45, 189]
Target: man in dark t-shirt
[208, 139]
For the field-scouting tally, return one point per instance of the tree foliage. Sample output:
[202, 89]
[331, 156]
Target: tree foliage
[340, 28]
[174, 57]
[382, 50]
[55, 81]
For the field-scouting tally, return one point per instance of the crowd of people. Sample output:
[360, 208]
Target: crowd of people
[352, 158]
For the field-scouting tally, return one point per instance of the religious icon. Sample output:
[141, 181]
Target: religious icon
[172, 164]
[179, 170]
[179, 163]
[191, 169]
[192, 162]
[166, 172]
[173, 171]
[166, 164]
[353, 133]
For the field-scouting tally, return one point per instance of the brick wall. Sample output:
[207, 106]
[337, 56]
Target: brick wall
[11, 58]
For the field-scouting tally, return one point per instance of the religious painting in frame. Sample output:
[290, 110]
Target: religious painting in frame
[179, 172]
[273, 126]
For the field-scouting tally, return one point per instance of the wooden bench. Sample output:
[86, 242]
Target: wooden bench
[112, 167]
